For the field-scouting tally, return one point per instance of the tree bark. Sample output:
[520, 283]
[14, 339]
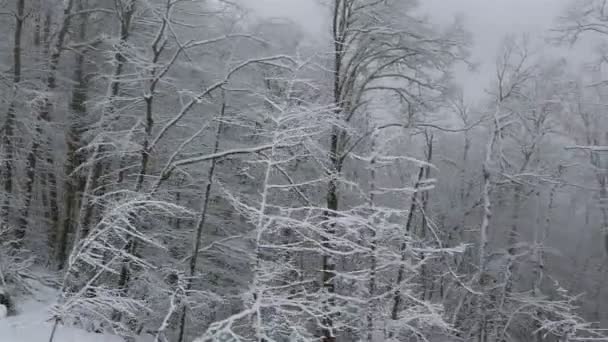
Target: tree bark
[10, 119]
[74, 185]
[485, 226]
[328, 266]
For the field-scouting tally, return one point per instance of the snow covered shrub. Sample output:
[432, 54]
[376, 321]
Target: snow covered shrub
[94, 292]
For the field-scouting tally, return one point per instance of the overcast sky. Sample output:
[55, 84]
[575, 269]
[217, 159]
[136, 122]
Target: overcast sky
[491, 20]
[488, 20]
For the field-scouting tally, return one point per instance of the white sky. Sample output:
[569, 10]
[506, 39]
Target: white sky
[491, 20]
[488, 21]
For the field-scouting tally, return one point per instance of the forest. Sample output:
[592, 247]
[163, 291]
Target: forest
[191, 171]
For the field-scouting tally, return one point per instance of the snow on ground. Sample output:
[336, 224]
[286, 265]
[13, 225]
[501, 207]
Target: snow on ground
[30, 324]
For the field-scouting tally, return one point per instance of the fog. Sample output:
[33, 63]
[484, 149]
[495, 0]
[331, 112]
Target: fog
[488, 22]
[303, 170]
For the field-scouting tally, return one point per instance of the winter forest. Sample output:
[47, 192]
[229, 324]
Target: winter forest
[196, 171]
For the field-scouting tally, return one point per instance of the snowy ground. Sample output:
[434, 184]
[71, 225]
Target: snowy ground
[30, 325]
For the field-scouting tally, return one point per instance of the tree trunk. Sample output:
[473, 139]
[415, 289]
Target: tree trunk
[43, 117]
[485, 226]
[51, 180]
[44, 198]
[373, 247]
[328, 266]
[408, 228]
[512, 240]
[10, 120]
[155, 76]
[97, 167]
[200, 224]
[426, 284]
[74, 185]
[461, 262]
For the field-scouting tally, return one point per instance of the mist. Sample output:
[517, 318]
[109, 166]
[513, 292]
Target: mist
[303, 170]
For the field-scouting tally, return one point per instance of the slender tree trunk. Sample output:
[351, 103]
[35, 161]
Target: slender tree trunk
[373, 247]
[46, 31]
[328, 264]
[483, 244]
[538, 256]
[155, 76]
[200, 224]
[37, 38]
[42, 118]
[461, 263]
[74, 184]
[125, 274]
[257, 293]
[97, 167]
[426, 284]
[542, 238]
[10, 120]
[485, 226]
[51, 179]
[403, 249]
[44, 198]
[126, 16]
[512, 240]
